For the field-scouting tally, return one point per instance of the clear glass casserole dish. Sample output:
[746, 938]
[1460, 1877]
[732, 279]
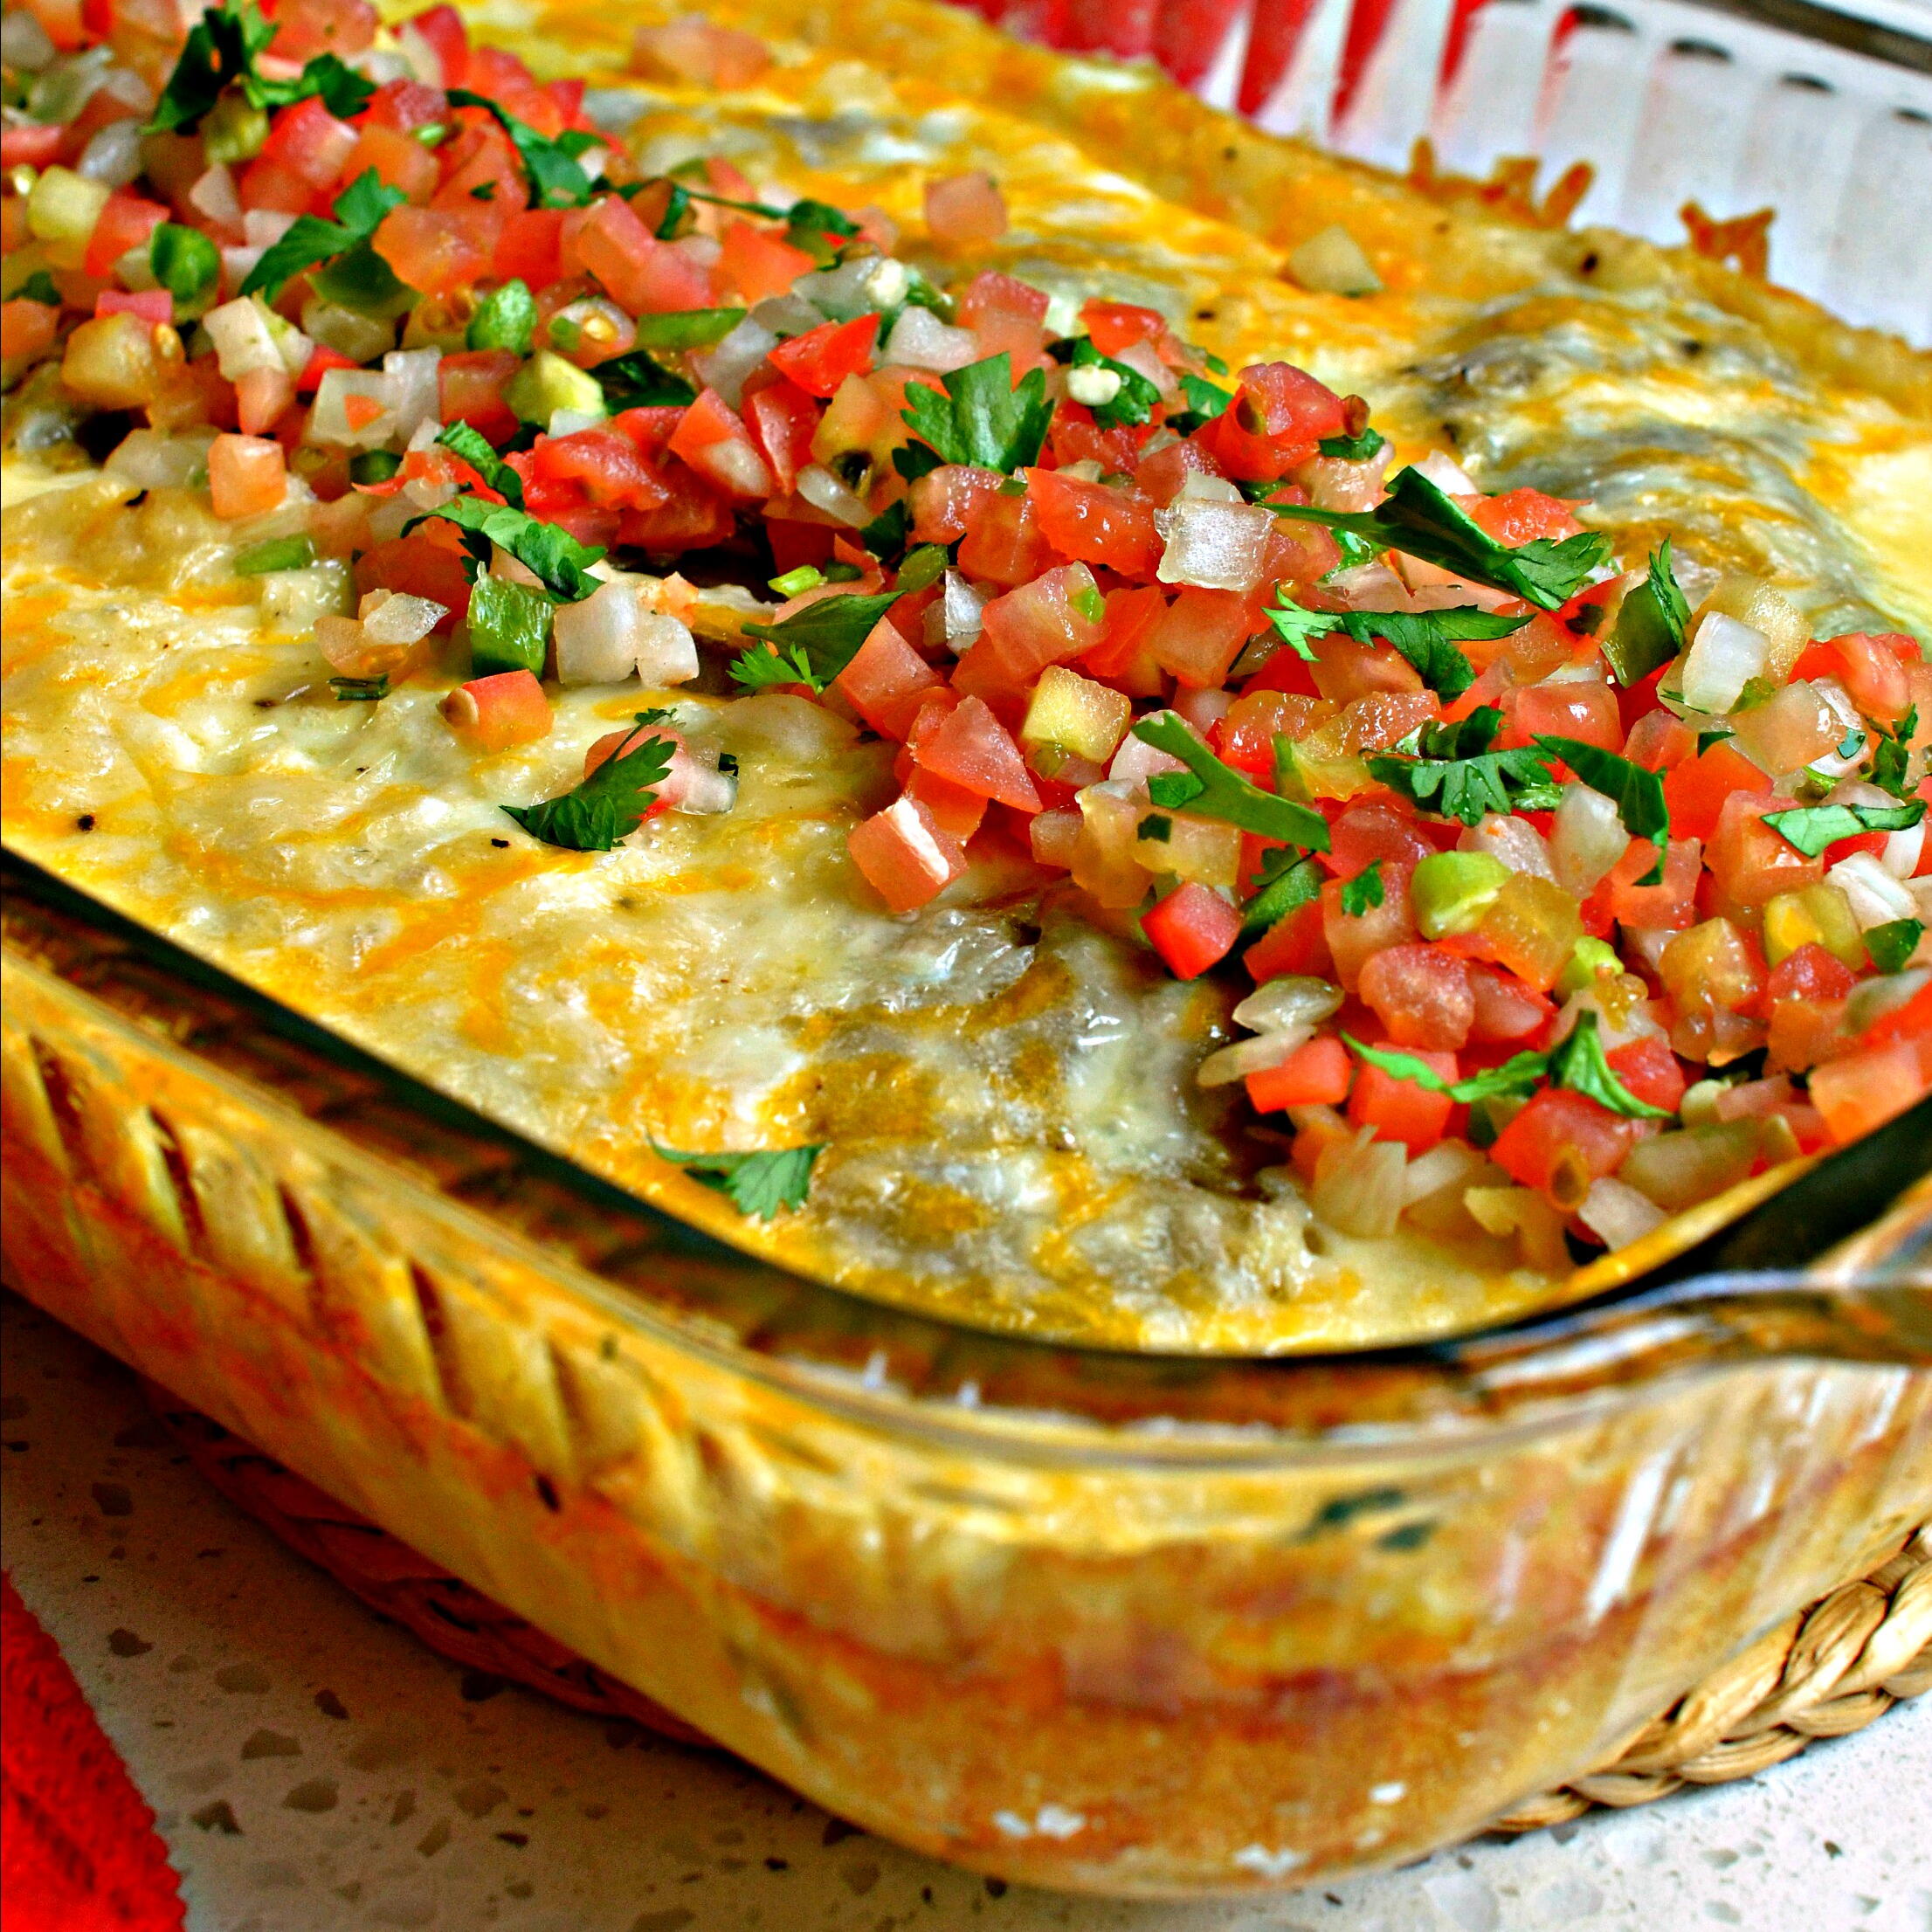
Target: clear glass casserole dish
[1125, 1624]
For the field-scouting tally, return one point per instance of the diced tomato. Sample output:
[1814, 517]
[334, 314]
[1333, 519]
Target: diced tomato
[1200, 635]
[1296, 944]
[647, 276]
[1749, 861]
[1004, 543]
[1008, 316]
[974, 751]
[1315, 1075]
[1522, 516]
[1696, 790]
[246, 475]
[27, 328]
[960, 813]
[1124, 656]
[310, 142]
[403, 105]
[1297, 553]
[470, 389]
[442, 27]
[1862, 1090]
[505, 80]
[1649, 1072]
[886, 683]
[782, 419]
[1670, 904]
[154, 306]
[711, 437]
[1344, 669]
[1656, 740]
[906, 855]
[1115, 326]
[1246, 735]
[1507, 1012]
[1372, 829]
[1075, 437]
[1161, 475]
[1561, 1141]
[822, 358]
[497, 712]
[400, 161]
[436, 253]
[1096, 524]
[1809, 972]
[126, 222]
[1355, 938]
[306, 28]
[947, 502]
[25, 146]
[1399, 1109]
[606, 463]
[1192, 928]
[1872, 666]
[420, 565]
[1052, 619]
[758, 263]
[1422, 996]
[1279, 414]
[266, 187]
[527, 248]
[1584, 711]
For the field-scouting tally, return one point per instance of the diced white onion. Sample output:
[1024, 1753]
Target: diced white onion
[1618, 1214]
[329, 419]
[1093, 387]
[1292, 1000]
[393, 617]
[1359, 1185]
[1332, 262]
[1586, 839]
[954, 618]
[854, 288]
[725, 368]
[786, 314]
[264, 227]
[596, 640]
[153, 460]
[1203, 709]
[667, 653]
[569, 421]
[248, 336]
[414, 391]
[294, 600]
[692, 786]
[1877, 898]
[920, 339]
[825, 492]
[1142, 358]
[24, 42]
[1517, 843]
[1448, 1164]
[1216, 546]
[1228, 1064]
[1447, 474]
[1724, 658]
[214, 195]
[113, 155]
[1903, 849]
[1198, 486]
[342, 641]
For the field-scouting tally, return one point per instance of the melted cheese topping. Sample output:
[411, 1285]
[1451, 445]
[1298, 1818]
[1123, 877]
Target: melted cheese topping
[1015, 1137]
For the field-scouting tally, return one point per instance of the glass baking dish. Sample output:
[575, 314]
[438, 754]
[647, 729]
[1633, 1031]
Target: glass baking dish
[1124, 1624]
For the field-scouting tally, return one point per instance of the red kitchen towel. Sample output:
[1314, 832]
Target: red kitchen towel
[78, 1849]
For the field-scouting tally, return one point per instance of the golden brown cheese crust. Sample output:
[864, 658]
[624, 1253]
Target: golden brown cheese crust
[1015, 1136]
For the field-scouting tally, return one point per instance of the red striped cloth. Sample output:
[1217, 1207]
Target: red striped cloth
[78, 1849]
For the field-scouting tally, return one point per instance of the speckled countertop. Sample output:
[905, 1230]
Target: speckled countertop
[316, 1770]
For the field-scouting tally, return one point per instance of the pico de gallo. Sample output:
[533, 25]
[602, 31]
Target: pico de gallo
[1519, 861]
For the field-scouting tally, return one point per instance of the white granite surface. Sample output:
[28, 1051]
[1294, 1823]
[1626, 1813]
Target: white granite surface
[316, 1770]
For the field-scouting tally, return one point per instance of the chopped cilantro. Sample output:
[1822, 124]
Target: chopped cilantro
[885, 537]
[1297, 626]
[360, 210]
[343, 92]
[560, 562]
[1157, 826]
[1650, 625]
[1892, 754]
[1212, 789]
[39, 287]
[1426, 639]
[1577, 1062]
[1637, 793]
[479, 453]
[1892, 945]
[1812, 828]
[279, 553]
[1287, 881]
[1204, 402]
[758, 1184]
[636, 381]
[608, 805]
[1468, 785]
[816, 643]
[1516, 1075]
[1354, 448]
[1363, 891]
[220, 50]
[551, 167]
[981, 418]
[506, 318]
[1136, 400]
[1421, 519]
[1716, 736]
[1852, 743]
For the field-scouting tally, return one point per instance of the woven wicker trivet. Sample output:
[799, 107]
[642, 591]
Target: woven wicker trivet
[1824, 1672]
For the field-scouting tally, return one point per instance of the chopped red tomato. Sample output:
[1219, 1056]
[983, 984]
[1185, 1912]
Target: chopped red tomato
[1192, 928]
[822, 358]
[1400, 1109]
[906, 855]
[1560, 1143]
[1315, 1075]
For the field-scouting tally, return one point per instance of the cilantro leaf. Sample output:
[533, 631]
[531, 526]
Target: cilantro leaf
[1297, 626]
[608, 805]
[636, 381]
[549, 166]
[1716, 736]
[506, 318]
[1650, 625]
[1469, 788]
[1892, 754]
[360, 210]
[1363, 891]
[764, 665]
[982, 419]
[1354, 448]
[1461, 738]
[1136, 400]
[1288, 883]
[825, 637]
[885, 537]
[39, 287]
[1637, 793]
[1577, 1062]
[220, 49]
[1812, 828]
[1420, 518]
[1212, 789]
[1205, 401]
[758, 1184]
[1426, 639]
[1515, 1075]
[479, 453]
[343, 92]
[1892, 945]
[559, 560]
